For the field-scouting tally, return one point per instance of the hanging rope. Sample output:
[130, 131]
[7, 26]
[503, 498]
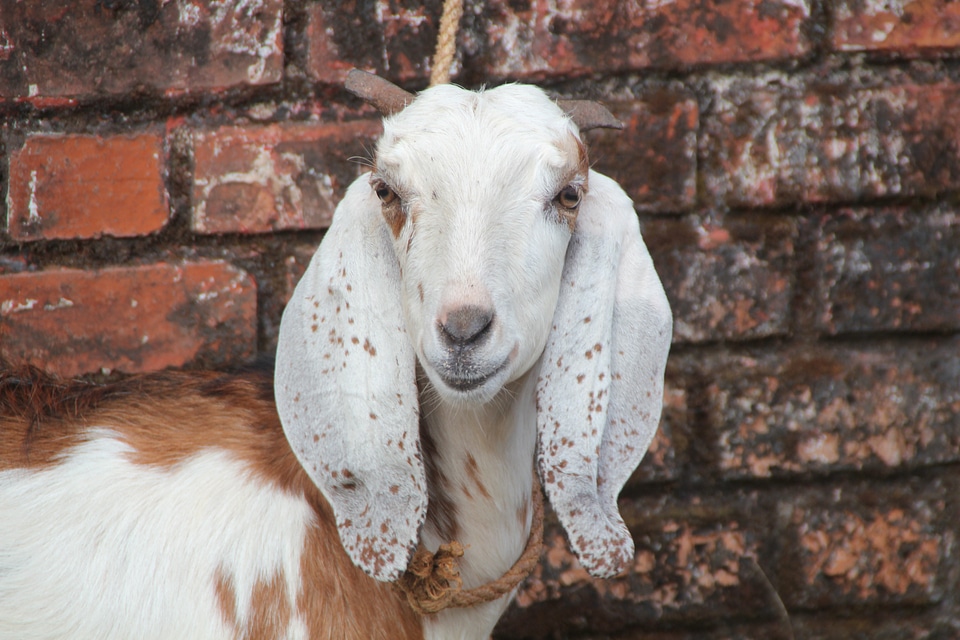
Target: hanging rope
[446, 42]
[432, 580]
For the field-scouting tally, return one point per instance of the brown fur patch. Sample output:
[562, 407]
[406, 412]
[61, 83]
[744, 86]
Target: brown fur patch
[168, 417]
[441, 509]
[226, 598]
[474, 472]
[394, 215]
[270, 610]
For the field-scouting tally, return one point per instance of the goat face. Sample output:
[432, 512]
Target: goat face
[480, 237]
[477, 248]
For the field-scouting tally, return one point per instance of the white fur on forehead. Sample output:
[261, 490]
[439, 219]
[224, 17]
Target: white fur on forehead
[509, 128]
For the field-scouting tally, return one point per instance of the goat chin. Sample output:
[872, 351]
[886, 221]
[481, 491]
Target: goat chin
[482, 306]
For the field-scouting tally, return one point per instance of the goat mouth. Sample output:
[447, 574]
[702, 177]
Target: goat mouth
[470, 383]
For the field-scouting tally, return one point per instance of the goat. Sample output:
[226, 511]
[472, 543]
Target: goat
[483, 306]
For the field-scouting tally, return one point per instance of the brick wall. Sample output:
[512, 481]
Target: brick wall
[169, 168]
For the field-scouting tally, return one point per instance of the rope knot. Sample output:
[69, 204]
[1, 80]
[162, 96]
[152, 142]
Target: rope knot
[432, 579]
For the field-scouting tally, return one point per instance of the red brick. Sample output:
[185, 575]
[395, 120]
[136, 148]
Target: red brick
[867, 546]
[726, 279]
[908, 27]
[139, 318]
[275, 177]
[890, 269]
[89, 48]
[774, 141]
[388, 38]
[839, 409]
[655, 157]
[86, 186]
[545, 38]
[682, 571]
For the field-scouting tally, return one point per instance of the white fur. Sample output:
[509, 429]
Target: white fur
[478, 175]
[141, 560]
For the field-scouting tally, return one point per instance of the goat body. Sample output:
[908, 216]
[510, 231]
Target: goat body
[482, 305]
[169, 506]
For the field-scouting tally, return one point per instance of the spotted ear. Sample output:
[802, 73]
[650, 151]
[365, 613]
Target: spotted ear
[600, 386]
[346, 390]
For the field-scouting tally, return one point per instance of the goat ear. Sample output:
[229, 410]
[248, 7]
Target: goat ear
[346, 390]
[600, 385]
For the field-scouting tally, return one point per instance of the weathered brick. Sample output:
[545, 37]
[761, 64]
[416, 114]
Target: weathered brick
[683, 571]
[89, 48]
[386, 37]
[549, 38]
[86, 186]
[908, 27]
[829, 409]
[139, 318]
[275, 177]
[890, 269]
[890, 624]
[725, 279]
[655, 157]
[877, 544]
[773, 141]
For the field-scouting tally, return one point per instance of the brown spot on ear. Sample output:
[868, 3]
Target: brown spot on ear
[420, 290]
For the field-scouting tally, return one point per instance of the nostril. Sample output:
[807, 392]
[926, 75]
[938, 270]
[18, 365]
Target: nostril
[467, 325]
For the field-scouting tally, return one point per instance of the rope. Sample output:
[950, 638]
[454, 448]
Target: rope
[432, 580]
[446, 42]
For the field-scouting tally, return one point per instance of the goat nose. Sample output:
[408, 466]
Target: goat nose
[466, 326]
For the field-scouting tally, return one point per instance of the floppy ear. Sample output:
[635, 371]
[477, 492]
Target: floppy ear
[600, 388]
[346, 390]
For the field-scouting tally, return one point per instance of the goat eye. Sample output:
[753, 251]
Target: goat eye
[385, 193]
[569, 197]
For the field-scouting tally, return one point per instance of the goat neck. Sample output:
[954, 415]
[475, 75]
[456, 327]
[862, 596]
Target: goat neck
[479, 460]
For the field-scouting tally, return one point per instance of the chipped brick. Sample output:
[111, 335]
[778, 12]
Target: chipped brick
[92, 48]
[86, 186]
[836, 409]
[772, 141]
[139, 318]
[388, 38]
[546, 38]
[853, 550]
[726, 280]
[890, 269]
[655, 157]
[909, 27]
[275, 177]
[681, 571]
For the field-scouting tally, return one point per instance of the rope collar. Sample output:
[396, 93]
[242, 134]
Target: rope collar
[432, 581]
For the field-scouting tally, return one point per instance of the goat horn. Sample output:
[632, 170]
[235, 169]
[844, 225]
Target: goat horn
[387, 97]
[588, 114]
